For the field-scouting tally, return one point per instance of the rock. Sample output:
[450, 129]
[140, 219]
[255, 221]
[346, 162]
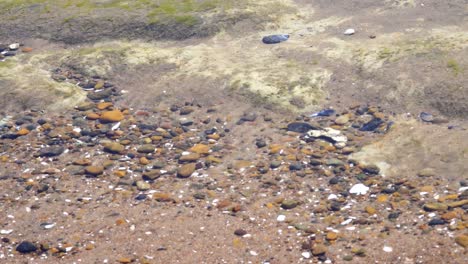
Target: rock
[186, 170]
[22, 132]
[300, 127]
[462, 240]
[142, 185]
[349, 32]
[359, 189]
[111, 116]
[275, 164]
[436, 221]
[162, 197]
[449, 215]
[147, 148]
[260, 143]
[26, 49]
[186, 110]
[426, 117]
[51, 151]
[332, 236]
[104, 105]
[114, 148]
[289, 204]
[324, 112]
[275, 39]
[372, 125]
[26, 247]
[427, 172]
[85, 106]
[342, 120]
[319, 249]
[371, 169]
[151, 175]
[14, 46]
[94, 170]
[96, 96]
[192, 157]
[370, 210]
[200, 149]
[248, 117]
[329, 133]
[240, 232]
[435, 207]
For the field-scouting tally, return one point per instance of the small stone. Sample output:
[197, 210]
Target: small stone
[144, 161]
[319, 249]
[111, 116]
[359, 189]
[289, 204]
[342, 120]
[240, 232]
[92, 116]
[449, 215]
[348, 258]
[200, 149]
[436, 221]
[332, 236]
[85, 106]
[370, 210]
[427, 172]
[349, 32]
[186, 110]
[22, 132]
[26, 49]
[186, 170]
[94, 170]
[435, 207]
[371, 169]
[104, 105]
[260, 143]
[162, 197]
[125, 260]
[192, 157]
[51, 151]
[462, 240]
[26, 247]
[147, 148]
[114, 148]
[143, 186]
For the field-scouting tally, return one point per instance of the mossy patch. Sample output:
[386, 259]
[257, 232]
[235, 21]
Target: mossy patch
[30, 85]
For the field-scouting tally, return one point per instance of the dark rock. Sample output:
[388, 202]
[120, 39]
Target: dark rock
[240, 232]
[26, 247]
[334, 180]
[372, 125]
[275, 164]
[260, 143]
[300, 127]
[289, 204]
[437, 221]
[248, 117]
[394, 215]
[141, 197]
[295, 167]
[371, 169]
[96, 96]
[275, 39]
[51, 151]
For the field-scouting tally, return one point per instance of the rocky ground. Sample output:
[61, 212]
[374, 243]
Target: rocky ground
[182, 138]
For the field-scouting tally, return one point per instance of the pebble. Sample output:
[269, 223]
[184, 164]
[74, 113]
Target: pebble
[111, 116]
[147, 148]
[26, 247]
[349, 32]
[114, 147]
[359, 189]
[94, 170]
[51, 151]
[289, 204]
[342, 120]
[462, 240]
[435, 207]
[240, 232]
[319, 249]
[143, 186]
[186, 170]
[281, 218]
